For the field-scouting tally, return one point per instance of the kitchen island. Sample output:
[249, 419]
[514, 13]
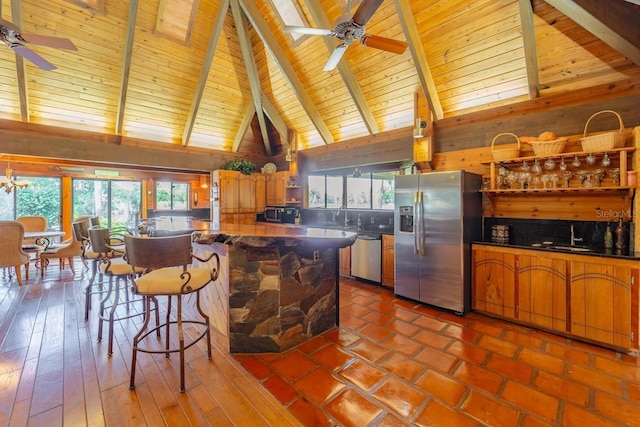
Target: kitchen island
[277, 287]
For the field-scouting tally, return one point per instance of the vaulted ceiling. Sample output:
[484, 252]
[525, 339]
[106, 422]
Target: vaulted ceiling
[222, 75]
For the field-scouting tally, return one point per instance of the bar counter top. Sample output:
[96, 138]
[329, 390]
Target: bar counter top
[257, 235]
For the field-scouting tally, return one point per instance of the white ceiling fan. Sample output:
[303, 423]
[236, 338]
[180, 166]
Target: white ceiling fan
[13, 37]
[351, 30]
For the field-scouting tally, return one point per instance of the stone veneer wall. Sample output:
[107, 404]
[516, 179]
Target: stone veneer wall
[279, 296]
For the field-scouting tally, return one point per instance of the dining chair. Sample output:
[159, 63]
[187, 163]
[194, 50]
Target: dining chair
[31, 246]
[11, 252]
[111, 264]
[67, 250]
[167, 272]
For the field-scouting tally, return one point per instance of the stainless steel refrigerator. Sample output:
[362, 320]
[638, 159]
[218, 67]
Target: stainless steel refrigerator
[437, 216]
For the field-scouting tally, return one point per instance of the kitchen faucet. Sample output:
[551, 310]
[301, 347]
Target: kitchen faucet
[346, 218]
[574, 239]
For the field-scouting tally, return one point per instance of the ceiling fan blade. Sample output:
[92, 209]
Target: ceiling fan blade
[57, 42]
[365, 11]
[306, 30]
[383, 43]
[9, 25]
[30, 55]
[335, 57]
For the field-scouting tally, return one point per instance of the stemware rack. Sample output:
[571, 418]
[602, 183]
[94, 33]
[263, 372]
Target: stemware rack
[615, 154]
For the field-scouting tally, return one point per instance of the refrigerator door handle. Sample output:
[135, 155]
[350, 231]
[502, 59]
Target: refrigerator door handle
[419, 226]
[416, 226]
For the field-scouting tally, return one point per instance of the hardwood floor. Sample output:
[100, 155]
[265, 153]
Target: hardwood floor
[53, 372]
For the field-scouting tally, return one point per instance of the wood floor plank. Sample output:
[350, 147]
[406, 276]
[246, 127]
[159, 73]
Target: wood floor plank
[53, 371]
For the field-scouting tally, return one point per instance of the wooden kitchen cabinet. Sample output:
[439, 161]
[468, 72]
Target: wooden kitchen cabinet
[228, 196]
[345, 261]
[493, 282]
[388, 260]
[275, 188]
[604, 301]
[246, 193]
[260, 191]
[590, 297]
[542, 291]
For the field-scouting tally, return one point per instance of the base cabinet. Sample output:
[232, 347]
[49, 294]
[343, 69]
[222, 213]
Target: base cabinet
[494, 283]
[588, 297]
[542, 291]
[604, 302]
[345, 261]
[388, 260]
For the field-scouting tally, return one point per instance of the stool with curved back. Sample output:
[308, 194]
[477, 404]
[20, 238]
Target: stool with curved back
[166, 261]
[111, 263]
[81, 232]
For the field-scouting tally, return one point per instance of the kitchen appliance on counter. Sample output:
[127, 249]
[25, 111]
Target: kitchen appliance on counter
[437, 216]
[286, 215]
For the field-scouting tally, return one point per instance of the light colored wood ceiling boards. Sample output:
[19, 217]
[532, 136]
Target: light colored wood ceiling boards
[236, 85]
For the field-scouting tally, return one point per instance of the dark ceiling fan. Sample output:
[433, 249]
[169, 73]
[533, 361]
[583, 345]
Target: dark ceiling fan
[13, 37]
[352, 30]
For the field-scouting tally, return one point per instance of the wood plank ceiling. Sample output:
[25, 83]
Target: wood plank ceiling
[222, 75]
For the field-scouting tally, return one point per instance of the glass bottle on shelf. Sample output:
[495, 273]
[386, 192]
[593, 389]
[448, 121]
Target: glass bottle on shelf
[620, 236]
[608, 238]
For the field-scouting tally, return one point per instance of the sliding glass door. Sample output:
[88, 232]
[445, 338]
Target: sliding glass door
[116, 203]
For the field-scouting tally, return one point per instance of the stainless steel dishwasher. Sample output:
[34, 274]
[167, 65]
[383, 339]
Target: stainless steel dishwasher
[366, 254]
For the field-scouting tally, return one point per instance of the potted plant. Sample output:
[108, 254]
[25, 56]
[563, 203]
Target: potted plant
[243, 166]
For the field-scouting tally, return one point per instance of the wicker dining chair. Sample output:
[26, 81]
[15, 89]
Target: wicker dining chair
[11, 252]
[31, 246]
[167, 261]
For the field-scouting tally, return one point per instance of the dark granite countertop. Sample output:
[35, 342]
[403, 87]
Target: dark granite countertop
[554, 249]
[262, 235]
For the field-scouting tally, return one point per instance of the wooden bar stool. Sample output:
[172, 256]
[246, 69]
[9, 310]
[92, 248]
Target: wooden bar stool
[167, 261]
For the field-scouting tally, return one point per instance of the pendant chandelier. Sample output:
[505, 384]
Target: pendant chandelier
[8, 183]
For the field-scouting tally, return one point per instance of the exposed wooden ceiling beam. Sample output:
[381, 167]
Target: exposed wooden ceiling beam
[21, 70]
[218, 24]
[276, 118]
[321, 20]
[244, 125]
[286, 68]
[530, 51]
[597, 28]
[126, 64]
[252, 71]
[408, 22]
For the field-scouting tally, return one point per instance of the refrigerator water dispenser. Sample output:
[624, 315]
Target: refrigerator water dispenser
[406, 219]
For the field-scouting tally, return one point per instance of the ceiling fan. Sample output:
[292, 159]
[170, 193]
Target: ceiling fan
[13, 37]
[351, 30]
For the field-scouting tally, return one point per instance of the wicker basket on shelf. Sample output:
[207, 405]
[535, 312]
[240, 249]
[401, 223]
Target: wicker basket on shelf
[603, 141]
[548, 148]
[507, 152]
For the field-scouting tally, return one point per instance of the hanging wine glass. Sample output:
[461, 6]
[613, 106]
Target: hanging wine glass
[606, 161]
[525, 166]
[590, 159]
[549, 164]
[563, 165]
[576, 162]
[536, 167]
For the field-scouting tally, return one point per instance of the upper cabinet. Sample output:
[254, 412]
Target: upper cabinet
[283, 189]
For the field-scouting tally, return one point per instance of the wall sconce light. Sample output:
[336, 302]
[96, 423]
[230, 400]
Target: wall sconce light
[195, 197]
[204, 181]
[418, 131]
[288, 156]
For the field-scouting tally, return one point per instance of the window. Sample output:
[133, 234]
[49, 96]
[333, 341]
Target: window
[173, 196]
[116, 203]
[42, 197]
[373, 190]
[289, 14]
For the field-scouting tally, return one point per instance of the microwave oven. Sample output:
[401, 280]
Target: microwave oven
[281, 214]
